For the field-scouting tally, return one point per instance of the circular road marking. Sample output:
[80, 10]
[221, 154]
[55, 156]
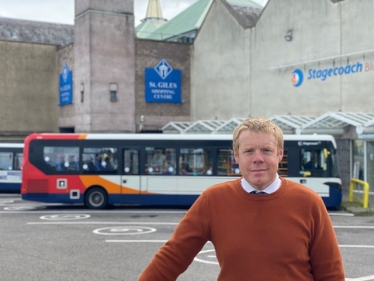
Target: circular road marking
[124, 230]
[65, 217]
[207, 256]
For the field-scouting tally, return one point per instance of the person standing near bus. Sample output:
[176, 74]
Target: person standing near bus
[263, 227]
[98, 162]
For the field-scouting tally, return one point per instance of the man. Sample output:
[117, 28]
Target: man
[282, 233]
[312, 164]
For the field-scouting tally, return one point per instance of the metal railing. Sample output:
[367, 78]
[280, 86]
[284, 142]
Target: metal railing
[359, 192]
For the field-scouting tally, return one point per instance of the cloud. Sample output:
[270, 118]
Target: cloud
[57, 11]
[62, 11]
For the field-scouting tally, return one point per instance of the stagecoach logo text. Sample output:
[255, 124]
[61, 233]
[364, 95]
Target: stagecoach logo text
[301, 143]
[323, 74]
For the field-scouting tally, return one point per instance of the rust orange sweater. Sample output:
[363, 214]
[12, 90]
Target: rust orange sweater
[286, 235]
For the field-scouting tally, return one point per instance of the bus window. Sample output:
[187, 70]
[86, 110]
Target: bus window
[226, 163]
[131, 162]
[101, 160]
[195, 161]
[18, 161]
[6, 161]
[314, 161]
[10, 167]
[160, 161]
[62, 158]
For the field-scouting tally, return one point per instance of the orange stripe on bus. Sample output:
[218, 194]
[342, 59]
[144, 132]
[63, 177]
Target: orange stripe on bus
[110, 187]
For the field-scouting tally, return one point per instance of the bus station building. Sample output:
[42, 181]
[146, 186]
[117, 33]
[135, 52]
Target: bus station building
[308, 65]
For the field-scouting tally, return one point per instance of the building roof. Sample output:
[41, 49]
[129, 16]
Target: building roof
[148, 26]
[336, 122]
[36, 32]
[152, 21]
[333, 123]
[188, 20]
[247, 15]
[245, 3]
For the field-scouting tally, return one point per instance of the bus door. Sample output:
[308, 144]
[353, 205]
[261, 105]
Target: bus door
[130, 176]
[314, 168]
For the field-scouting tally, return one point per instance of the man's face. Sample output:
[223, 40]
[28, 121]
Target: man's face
[258, 158]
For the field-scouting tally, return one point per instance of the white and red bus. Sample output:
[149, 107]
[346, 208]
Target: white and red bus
[98, 170]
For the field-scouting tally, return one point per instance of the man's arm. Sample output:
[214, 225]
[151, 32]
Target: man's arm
[178, 253]
[325, 256]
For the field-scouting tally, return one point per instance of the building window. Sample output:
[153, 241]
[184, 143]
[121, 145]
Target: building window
[113, 96]
[113, 88]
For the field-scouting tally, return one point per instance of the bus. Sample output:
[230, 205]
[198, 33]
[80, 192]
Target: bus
[11, 156]
[99, 170]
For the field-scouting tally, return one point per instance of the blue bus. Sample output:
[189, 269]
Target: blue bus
[11, 156]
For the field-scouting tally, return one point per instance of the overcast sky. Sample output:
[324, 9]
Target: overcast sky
[62, 11]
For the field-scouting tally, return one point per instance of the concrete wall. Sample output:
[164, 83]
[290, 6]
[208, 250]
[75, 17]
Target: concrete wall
[148, 55]
[104, 53]
[357, 24]
[220, 68]
[323, 33]
[27, 89]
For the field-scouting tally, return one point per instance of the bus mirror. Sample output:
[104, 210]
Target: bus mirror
[326, 153]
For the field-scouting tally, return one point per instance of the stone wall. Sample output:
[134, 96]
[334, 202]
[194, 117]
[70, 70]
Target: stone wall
[148, 55]
[27, 89]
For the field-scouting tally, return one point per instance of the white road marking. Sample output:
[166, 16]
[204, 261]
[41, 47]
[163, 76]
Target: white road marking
[356, 246]
[209, 256]
[23, 208]
[341, 246]
[341, 214]
[366, 278]
[136, 241]
[124, 230]
[101, 222]
[59, 217]
[6, 201]
[20, 210]
[355, 226]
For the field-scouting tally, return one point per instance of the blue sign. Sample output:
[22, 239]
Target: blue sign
[163, 83]
[66, 86]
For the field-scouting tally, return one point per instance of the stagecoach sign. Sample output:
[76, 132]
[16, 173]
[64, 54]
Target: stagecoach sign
[163, 83]
[322, 74]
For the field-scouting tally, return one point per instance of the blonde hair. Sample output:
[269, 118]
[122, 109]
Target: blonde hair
[258, 124]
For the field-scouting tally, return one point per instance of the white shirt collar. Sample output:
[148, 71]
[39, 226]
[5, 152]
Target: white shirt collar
[270, 189]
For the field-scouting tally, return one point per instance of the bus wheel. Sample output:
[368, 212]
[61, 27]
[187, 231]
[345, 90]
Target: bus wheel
[96, 198]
